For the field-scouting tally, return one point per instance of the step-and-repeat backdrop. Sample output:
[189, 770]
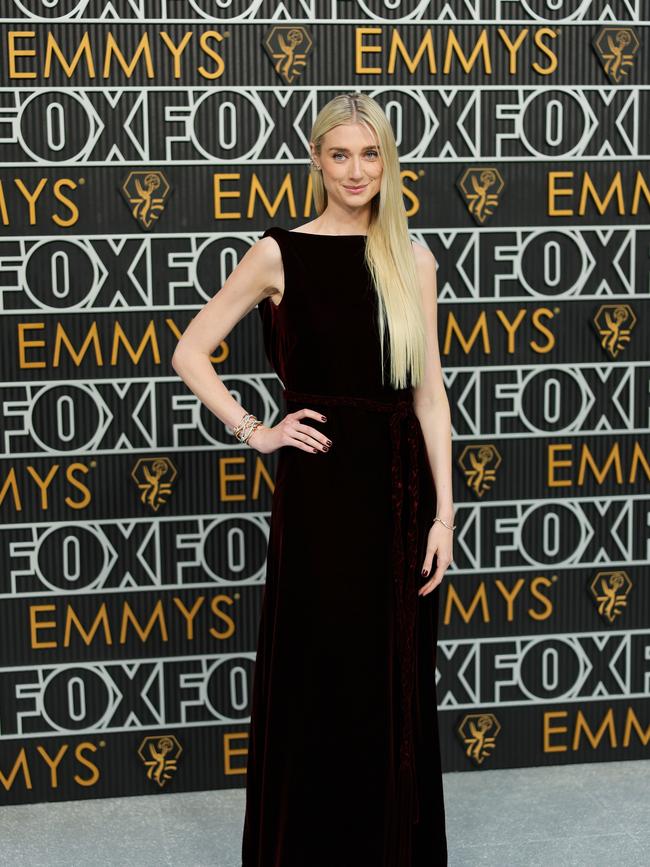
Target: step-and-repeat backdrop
[144, 147]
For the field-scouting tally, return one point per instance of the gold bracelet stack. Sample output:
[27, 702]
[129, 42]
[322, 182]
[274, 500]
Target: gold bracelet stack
[246, 427]
[448, 526]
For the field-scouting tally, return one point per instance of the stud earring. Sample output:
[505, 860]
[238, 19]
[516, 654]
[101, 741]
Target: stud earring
[314, 166]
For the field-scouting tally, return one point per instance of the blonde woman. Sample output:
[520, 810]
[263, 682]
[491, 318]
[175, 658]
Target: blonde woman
[344, 760]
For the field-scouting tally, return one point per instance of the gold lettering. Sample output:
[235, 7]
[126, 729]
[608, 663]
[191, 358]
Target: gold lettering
[149, 337]
[545, 49]
[632, 722]
[360, 48]
[176, 50]
[510, 327]
[554, 192]
[257, 190]
[77, 483]
[142, 47]
[640, 187]
[53, 763]
[157, 615]
[513, 47]
[538, 313]
[189, 615]
[638, 457]
[480, 597]
[220, 194]
[87, 637]
[36, 626]
[222, 615]
[426, 45]
[19, 764]
[453, 328]
[229, 752]
[23, 328]
[31, 197]
[12, 37]
[43, 484]
[58, 195]
[204, 40]
[225, 478]
[261, 473]
[548, 605]
[62, 339]
[509, 596]
[11, 484]
[3, 206]
[79, 751]
[481, 47]
[52, 48]
[554, 463]
[594, 739]
[588, 188]
[550, 730]
[614, 458]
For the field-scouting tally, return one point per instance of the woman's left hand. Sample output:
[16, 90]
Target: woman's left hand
[439, 542]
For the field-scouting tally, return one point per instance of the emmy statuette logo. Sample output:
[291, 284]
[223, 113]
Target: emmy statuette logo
[146, 193]
[288, 47]
[160, 754]
[610, 591]
[614, 324]
[154, 477]
[616, 48]
[481, 189]
[479, 464]
[478, 733]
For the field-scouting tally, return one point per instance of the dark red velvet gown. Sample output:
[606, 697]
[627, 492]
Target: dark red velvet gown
[344, 758]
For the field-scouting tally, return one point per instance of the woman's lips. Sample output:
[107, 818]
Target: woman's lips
[355, 189]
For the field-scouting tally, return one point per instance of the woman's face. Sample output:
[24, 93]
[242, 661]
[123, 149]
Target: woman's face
[351, 164]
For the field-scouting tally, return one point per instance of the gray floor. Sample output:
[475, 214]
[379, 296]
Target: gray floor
[597, 815]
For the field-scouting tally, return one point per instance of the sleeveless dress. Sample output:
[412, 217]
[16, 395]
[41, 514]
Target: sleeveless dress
[344, 760]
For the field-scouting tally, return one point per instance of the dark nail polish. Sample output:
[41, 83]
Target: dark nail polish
[329, 442]
[425, 572]
[326, 448]
[324, 418]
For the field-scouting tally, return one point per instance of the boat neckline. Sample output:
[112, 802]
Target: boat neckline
[321, 235]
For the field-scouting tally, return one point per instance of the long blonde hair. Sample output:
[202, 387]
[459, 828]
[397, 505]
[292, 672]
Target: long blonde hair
[389, 253]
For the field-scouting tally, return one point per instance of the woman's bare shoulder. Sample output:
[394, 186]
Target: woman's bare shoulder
[423, 254]
[266, 254]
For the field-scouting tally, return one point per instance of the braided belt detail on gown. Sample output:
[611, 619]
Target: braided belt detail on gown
[404, 566]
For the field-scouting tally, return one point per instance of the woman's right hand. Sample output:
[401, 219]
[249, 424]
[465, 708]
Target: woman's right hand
[291, 431]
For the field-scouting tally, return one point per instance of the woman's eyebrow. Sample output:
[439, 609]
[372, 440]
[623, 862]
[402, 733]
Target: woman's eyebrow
[367, 147]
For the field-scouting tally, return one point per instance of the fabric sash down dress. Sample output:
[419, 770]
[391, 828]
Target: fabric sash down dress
[344, 763]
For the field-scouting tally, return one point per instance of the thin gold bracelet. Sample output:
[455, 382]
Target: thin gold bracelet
[453, 527]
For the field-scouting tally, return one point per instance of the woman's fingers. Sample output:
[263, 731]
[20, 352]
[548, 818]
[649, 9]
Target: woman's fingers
[304, 436]
[437, 576]
[307, 442]
[305, 411]
[313, 435]
[428, 559]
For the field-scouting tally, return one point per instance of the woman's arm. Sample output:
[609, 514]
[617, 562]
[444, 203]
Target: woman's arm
[256, 276]
[432, 409]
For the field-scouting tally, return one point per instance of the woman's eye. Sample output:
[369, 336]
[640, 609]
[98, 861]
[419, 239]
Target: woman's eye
[368, 153]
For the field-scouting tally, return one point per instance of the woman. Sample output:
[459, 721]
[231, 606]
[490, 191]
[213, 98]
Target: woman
[344, 763]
